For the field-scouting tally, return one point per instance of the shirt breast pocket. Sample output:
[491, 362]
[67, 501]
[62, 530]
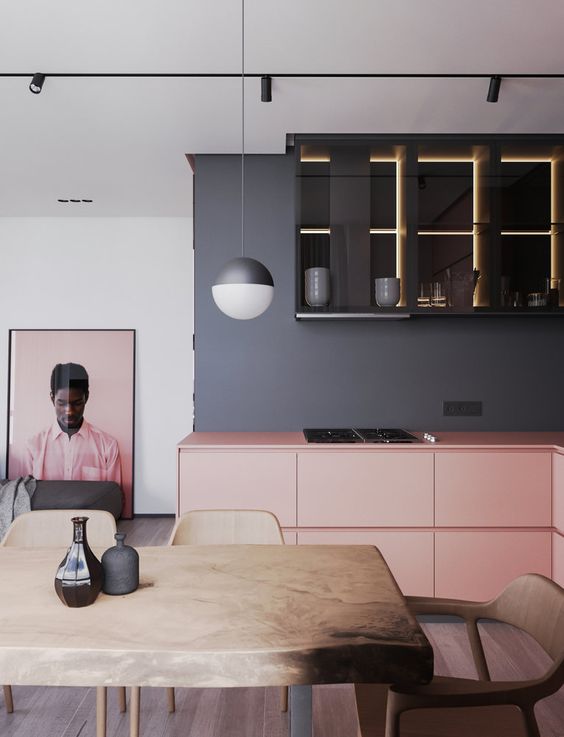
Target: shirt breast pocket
[90, 473]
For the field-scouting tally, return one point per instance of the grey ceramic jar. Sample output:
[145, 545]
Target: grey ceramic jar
[121, 568]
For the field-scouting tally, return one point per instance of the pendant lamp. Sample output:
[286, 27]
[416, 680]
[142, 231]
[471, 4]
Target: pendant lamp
[244, 288]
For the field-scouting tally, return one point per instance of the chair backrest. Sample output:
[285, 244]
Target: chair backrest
[227, 527]
[52, 528]
[535, 604]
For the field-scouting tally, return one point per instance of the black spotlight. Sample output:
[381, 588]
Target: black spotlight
[37, 83]
[493, 91]
[266, 89]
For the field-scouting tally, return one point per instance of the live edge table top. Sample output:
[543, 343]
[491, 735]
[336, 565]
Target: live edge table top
[214, 616]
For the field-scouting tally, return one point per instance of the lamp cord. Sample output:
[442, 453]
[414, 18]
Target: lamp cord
[243, 128]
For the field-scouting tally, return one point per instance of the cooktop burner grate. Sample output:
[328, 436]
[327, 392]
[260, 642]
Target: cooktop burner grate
[332, 436]
[359, 435]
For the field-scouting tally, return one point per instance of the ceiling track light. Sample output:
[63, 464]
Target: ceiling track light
[36, 84]
[266, 89]
[266, 79]
[493, 90]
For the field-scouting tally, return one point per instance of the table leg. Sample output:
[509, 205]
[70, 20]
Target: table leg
[134, 711]
[101, 709]
[301, 717]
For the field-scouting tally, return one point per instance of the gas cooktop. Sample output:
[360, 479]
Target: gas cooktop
[358, 435]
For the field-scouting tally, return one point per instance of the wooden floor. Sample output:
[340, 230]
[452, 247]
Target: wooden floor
[70, 712]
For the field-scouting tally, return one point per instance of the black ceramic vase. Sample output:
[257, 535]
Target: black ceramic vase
[80, 576]
[121, 568]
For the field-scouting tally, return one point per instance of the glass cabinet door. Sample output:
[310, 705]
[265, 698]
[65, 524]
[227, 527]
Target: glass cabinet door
[453, 226]
[531, 243]
[350, 227]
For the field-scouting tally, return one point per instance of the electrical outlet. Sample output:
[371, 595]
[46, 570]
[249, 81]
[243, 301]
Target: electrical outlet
[462, 409]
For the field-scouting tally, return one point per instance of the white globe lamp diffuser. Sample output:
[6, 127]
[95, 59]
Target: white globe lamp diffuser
[244, 288]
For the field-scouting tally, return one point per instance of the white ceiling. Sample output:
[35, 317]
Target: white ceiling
[121, 142]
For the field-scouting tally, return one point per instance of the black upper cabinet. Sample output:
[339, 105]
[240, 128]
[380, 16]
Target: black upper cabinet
[453, 224]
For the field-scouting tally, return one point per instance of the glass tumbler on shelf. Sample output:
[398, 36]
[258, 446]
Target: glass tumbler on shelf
[438, 294]
[424, 296]
[317, 286]
[536, 299]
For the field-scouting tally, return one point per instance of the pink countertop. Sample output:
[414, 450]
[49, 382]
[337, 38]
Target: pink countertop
[445, 440]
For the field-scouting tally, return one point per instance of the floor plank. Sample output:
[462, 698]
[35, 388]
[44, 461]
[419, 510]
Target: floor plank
[147, 530]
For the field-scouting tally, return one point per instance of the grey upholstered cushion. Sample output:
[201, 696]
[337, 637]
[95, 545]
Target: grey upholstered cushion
[78, 495]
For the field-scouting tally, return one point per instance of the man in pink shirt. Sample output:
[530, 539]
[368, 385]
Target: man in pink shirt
[71, 448]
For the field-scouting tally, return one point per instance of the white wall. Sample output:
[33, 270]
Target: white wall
[112, 273]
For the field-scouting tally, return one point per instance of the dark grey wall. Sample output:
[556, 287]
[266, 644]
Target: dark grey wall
[276, 373]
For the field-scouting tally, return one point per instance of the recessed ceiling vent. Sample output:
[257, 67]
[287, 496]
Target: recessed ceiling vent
[69, 199]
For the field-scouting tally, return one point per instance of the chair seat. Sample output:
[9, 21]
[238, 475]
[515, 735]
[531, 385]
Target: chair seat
[483, 721]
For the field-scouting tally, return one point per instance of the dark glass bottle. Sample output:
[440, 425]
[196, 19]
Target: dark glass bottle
[121, 568]
[80, 576]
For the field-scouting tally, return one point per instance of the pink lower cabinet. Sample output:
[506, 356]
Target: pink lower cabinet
[558, 558]
[558, 518]
[478, 564]
[239, 480]
[493, 489]
[558, 492]
[408, 554]
[365, 489]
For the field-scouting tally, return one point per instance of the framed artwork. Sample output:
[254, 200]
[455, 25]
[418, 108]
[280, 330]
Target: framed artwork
[67, 383]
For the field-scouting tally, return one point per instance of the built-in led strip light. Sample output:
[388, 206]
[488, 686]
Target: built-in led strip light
[475, 260]
[445, 232]
[327, 231]
[315, 160]
[556, 247]
[442, 160]
[525, 232]
[399, 204]
[383, 160]
[528, 160]
[475, 215]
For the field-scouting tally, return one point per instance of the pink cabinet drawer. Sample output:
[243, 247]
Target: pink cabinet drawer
[364, 489]
[239, 480]
[558, 558]
[505, 489]
[408, 554]
[558, 491]
[477, 565]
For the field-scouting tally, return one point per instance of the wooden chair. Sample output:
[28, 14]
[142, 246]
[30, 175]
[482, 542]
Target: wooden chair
[51, 528]
[227, 527]
[218, 527]
[447, 707]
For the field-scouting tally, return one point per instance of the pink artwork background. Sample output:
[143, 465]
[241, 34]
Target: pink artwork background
[107, 356]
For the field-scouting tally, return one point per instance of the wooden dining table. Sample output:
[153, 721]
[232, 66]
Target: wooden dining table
[217, 617]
